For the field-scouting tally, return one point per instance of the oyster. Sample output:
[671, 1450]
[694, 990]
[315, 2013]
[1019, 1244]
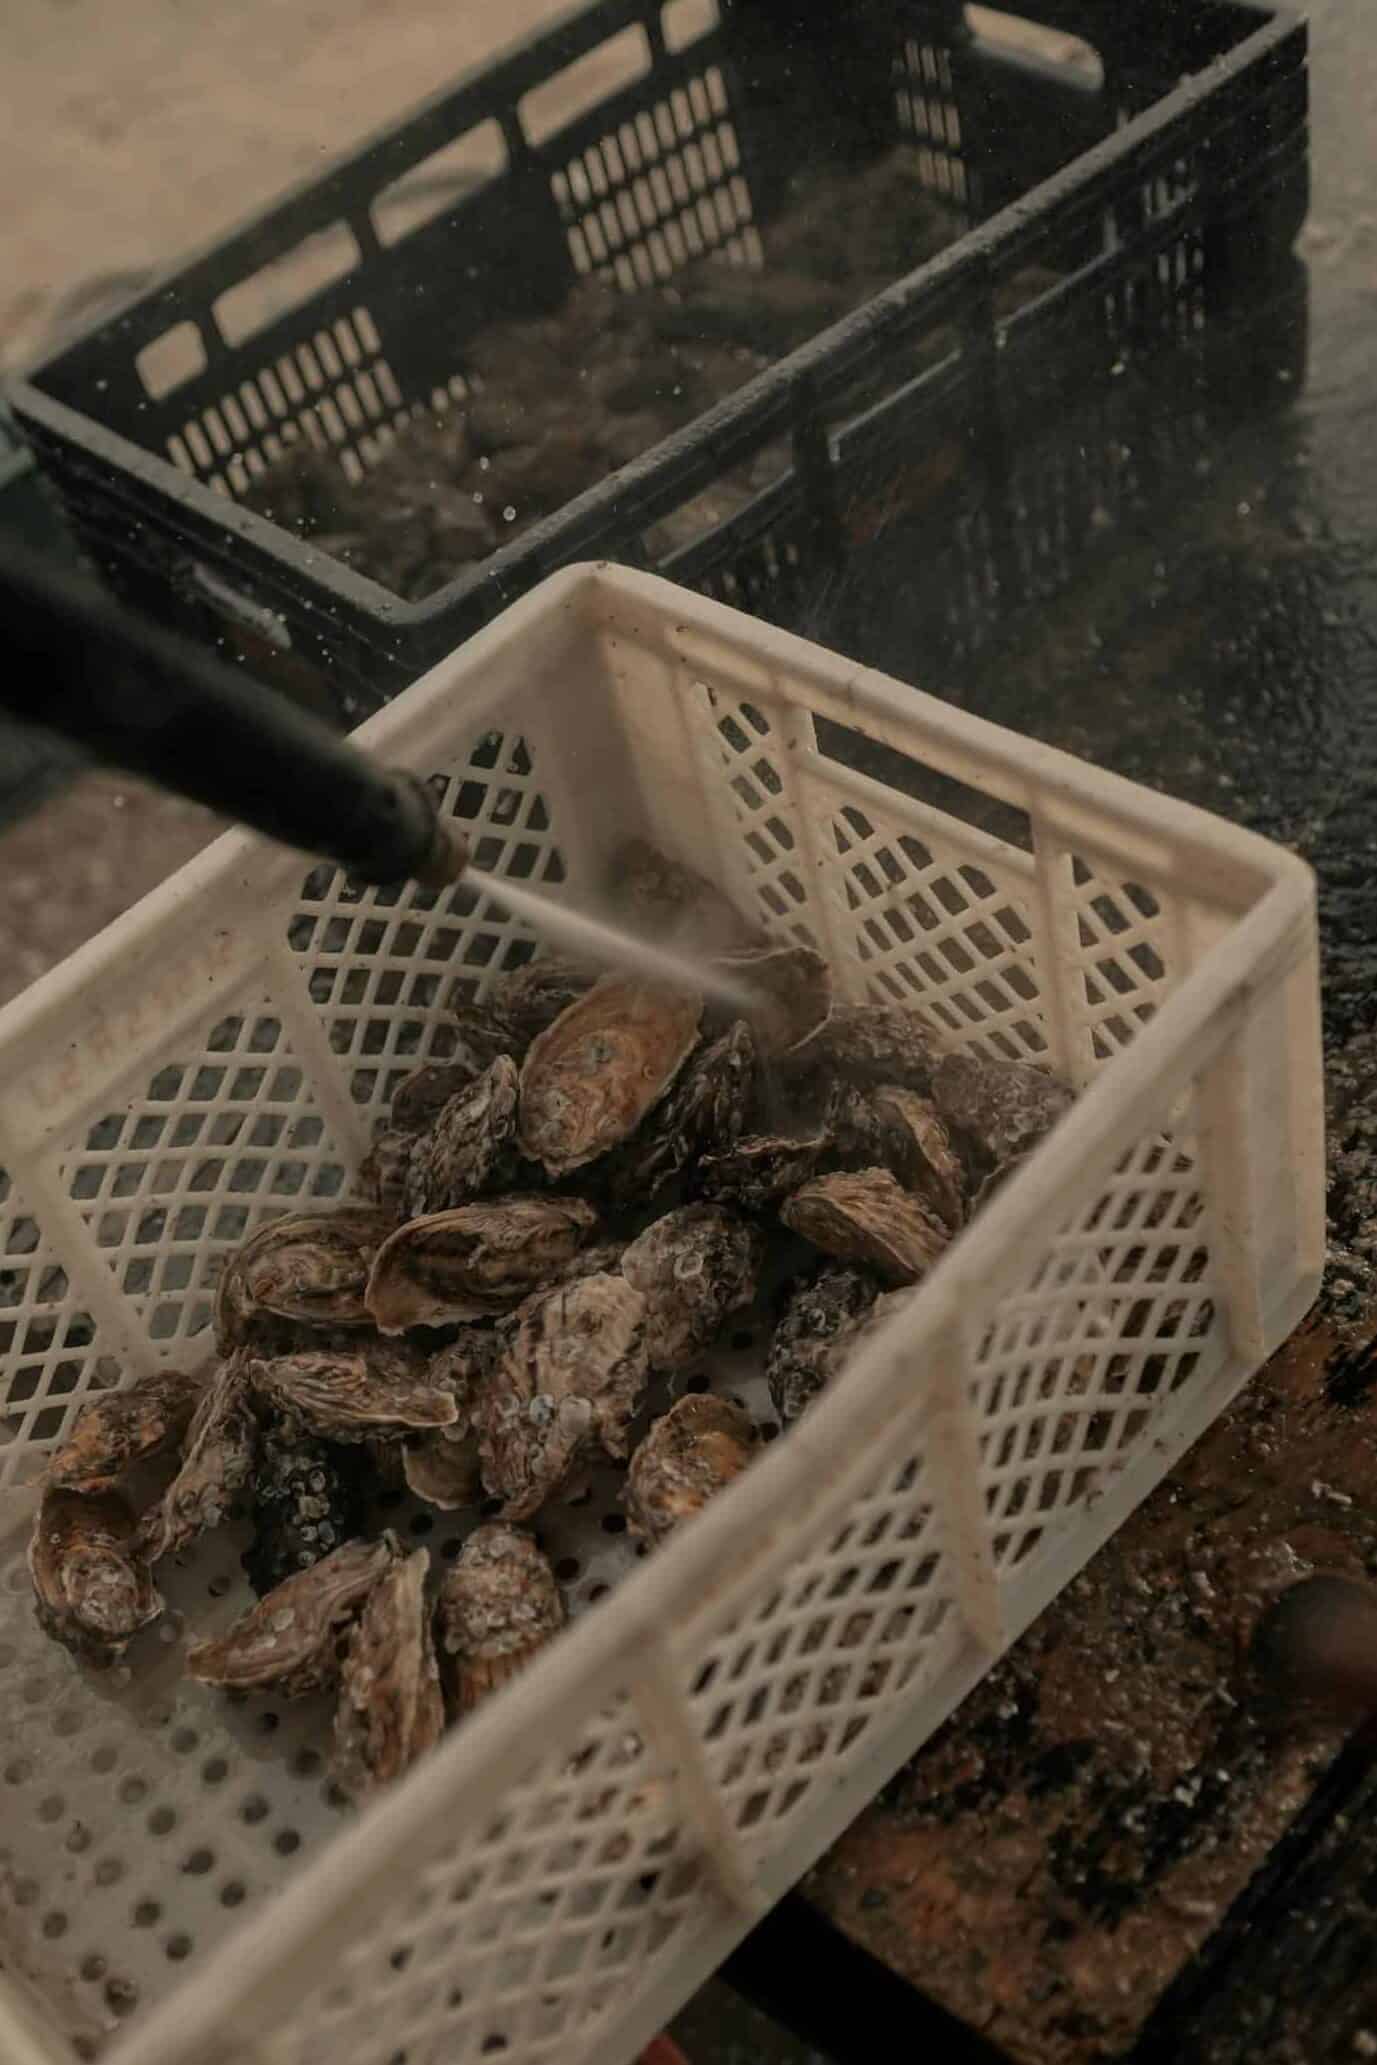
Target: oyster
[704, 1112]
[902, 1131]
[382, 1172]
[873, 1043]
[531, 998]
[699, 1446]
[790, 988]
[581, 1340]
[92, 1589]
[481, 1031]
[662, 899]
[418, 1102]
[764, 1167]
[693, 1267]
[476, 1261]
[308, 1498]
[1003, 1107]
[812, 1336]
[592, 1076]
[310, 1266]
[287, 1643]
[390, 1708]
[466, 1143]
[343, 1393]
[116, 1429]
[442, 1467]
[527, 1447]
[994, 1181]
[217, 1461]
[498, 1605]
[868, 1217]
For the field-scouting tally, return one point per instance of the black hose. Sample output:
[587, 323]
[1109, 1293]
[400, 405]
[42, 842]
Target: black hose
[135, 696]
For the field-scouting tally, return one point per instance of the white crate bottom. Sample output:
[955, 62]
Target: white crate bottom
[554, 1879]
[142, 1815]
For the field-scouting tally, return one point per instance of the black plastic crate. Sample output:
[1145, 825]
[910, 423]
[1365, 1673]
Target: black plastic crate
[1141, 195]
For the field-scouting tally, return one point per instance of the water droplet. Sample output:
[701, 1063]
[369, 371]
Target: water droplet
[509, 514]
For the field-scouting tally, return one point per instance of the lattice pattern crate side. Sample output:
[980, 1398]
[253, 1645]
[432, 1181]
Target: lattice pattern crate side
[1116, 1317]
[382, 964]
[661, 189]
[926, 108]
[748, 753]
[1125, 956]
[530, 1929]
[219, 1132]
[335, 390]
[937, 931]
[787, 1695]
[51, 1351]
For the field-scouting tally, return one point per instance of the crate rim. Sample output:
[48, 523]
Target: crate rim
[363, 600]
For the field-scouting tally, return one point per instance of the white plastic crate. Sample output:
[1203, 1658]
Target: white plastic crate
[569, 1864]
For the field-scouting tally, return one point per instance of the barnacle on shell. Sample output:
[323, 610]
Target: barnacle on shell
[93, 1591]
[591, 1077]
[499, 1604]
[697, 1448]
[813, 1333]
[390, 1708]
[692, 1266]
[114, 1430]
[866, 1216]
[308, 1497]
[288, 1641]
[471, 1263]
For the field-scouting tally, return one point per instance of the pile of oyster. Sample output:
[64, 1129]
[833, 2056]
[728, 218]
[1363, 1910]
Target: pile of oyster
[560, 1218]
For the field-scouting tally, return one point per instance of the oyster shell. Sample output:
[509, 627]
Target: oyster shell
[390, 1708]
[996, 1178]
[466, 1144]
[581, 1340]
[287, 1643]
[662, 899]
[308, 1498]
[310, 1266]
[693, 1267]
[873, 1043]
[527, 1447]
[343, 1393]
[532, 998]
[481, 1031]
[812, 1336]
[116, 1429]
[764, 1167]
[471, 1263]
[498, 1605]
[92, 1589]
[791, 992]
[217, 1461]
[1003, 1107]
[704, 1112]
[592, 1076]
[418, 1102]
[382, 1172]
[867, 1217]
[442, 1467]
[699, 1446]
[902, 1131]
